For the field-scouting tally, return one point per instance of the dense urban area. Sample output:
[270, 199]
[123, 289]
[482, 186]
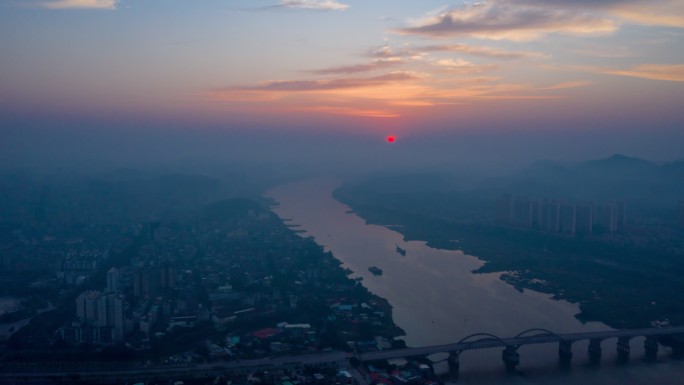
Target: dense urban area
[226, 282]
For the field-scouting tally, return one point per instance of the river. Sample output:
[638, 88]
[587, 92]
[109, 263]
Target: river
[437, 300]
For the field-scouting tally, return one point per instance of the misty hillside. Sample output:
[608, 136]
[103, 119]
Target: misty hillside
[617, 166]
[650, 190]
[674, 170]
[617, 177]
[118, 196]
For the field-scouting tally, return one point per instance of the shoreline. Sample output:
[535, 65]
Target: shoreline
[410, 282]
[537, 262]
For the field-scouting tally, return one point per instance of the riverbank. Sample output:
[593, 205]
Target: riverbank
[435, 297]
[621, 286]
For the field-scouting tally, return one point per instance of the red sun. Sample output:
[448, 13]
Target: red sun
[391, 139]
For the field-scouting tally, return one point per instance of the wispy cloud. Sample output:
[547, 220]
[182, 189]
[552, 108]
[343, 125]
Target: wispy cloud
[386, 96]
[378, 64]
[338, 96]
[480, 51]
[388, 53]
[80, 4]
[333, 84]
[460, 66]
[381, 58]
[665, 72]
[670, 17]
[321, 5]
[506, 20]
[647, 12]
[351, 111]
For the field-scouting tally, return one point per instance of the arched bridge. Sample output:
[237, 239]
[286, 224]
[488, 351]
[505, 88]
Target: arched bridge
[673, 337]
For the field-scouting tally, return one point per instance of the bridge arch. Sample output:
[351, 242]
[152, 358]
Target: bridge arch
[543, 332]
[469, 341]
[487, 336]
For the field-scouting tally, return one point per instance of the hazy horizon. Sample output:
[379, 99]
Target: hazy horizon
[490, 86]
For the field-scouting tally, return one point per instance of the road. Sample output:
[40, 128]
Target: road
[330, 358]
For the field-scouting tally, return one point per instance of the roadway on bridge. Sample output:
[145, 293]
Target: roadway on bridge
[490, 342]
[339, 357]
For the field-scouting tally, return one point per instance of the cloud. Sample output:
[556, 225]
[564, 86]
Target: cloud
[671, 17]
[351, 111]
[384, 52]
[382, 58]
[506, 20]
[363, 67]
[460, 66]
[355, 96]
[665, 72]
[418, 53]
[333, 84]
[387, 53]
[647, 12]
[80, 4]
[480, 51]
[321, 5]
[584, 4]
[385, 96]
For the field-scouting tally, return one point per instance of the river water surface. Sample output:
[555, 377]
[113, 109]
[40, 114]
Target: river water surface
[437, 300]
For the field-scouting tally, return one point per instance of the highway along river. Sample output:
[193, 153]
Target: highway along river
[437, 300]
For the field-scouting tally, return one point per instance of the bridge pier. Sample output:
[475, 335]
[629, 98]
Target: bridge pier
[623, 349]
[676, 342]
[651, 349]
[510, 357]
[565, 352]
[595, 351]
[454, 364]
[678, 352]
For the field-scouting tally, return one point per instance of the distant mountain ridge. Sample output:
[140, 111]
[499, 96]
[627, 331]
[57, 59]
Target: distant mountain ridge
[618, 160]
[618, 165]
[648, 187]
[614, 164]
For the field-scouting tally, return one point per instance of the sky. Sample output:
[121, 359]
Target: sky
[495, 78]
